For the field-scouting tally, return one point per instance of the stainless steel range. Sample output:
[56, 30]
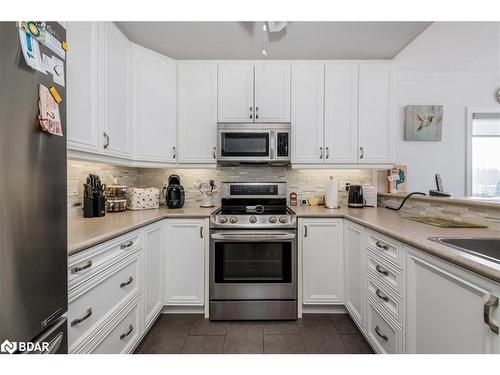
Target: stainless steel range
[253, 254]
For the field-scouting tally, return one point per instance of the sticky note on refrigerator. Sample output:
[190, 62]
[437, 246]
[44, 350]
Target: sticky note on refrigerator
[55, 94]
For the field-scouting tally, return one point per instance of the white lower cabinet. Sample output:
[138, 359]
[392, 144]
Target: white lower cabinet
[154, 275]
[353, 270]
[447, 308]
[185, 262]
[322, 261]
[384, 334]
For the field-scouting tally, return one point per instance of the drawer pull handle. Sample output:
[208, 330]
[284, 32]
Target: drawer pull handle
[81, 268]
[488, 306]
[381, 270]
[126, 245]
[381, 335]
[382, 246]
[382, 296]
[130, 279]
[130, 329]
[83, 318]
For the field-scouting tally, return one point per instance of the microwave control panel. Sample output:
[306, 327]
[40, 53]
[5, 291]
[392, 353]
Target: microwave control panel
[283, 144]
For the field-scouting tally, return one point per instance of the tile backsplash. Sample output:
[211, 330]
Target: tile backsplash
[306, 183]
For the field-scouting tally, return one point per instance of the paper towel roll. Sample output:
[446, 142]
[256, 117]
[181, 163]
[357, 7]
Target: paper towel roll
[332, 195]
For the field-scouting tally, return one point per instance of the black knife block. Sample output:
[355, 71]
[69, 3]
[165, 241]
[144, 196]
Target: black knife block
[99, 205]
[88, 207]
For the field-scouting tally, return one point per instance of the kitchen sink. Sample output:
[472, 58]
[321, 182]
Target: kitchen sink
[486, 248]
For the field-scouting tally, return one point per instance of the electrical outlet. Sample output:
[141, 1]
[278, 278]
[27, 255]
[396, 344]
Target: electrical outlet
[344, 185]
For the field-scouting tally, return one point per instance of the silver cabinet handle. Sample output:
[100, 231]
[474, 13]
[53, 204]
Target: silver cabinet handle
[488, 306]
[382, 296]
[214, 152]
[106, 145]
[381, 335]
[381, 270]
[382, 246]
[81, 268]
[130, 279]
[305, 230]
[83, 318]
[126, 245]
[327, 153]
[174, 153]
[362, 152]
[321, 152]
[201, 232]
[130, 329]
[256, 113]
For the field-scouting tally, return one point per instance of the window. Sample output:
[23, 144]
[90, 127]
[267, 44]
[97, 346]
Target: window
[484, 154]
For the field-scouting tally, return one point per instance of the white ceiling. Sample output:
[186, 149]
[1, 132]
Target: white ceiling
[300, 40]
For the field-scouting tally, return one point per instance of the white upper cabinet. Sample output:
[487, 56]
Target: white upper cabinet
[82, 95]
[341, 113]
[376, 111]
[322, 261]
[197, 112]
[235, 92]
[272, 92]
[307, 112]
[114, 90]
[154, 106]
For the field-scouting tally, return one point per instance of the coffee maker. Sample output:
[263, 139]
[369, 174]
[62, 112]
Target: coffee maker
[174, 197]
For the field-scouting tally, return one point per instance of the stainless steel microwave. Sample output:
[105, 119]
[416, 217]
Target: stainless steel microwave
[253, 144]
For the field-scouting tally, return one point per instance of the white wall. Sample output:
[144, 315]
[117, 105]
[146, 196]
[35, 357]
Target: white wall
[457, 65]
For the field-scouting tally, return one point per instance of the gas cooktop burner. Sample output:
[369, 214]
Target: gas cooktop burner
[241, 209]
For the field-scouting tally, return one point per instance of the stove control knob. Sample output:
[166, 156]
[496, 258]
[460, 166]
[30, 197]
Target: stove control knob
[233, 219]
[272, 219]
[252, 219]
[223, 220]
[283, 219]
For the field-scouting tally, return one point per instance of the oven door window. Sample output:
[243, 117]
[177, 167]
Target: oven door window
[245, 144]
[253, 262]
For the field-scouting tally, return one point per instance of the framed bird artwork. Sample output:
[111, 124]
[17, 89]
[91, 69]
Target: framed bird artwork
[423, 122]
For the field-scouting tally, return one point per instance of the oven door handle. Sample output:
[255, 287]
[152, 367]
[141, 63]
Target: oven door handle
[253, 236]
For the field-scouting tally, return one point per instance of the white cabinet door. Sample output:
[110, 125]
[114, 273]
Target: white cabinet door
[322, 254]
[444, 308]
[82, 91]
[154, 251]
[376, 139]
[197, 112]
[235, 92]
[154, 106]
[184, 262]
[272, 92]
[114, 90]
[307, 113]
[353, 270]
[341, 113]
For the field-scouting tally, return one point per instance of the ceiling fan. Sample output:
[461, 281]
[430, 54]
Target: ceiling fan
[271, 27]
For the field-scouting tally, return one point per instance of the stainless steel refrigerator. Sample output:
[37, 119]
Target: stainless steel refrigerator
[33, 216]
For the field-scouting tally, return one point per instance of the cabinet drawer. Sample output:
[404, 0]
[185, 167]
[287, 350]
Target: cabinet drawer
[386, 247]
[123, 335]
[88, 263]
[385, 273]
[92, 302]
[386, 337]
[385, 299]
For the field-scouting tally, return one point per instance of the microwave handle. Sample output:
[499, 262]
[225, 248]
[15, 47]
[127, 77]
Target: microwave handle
[272, 144]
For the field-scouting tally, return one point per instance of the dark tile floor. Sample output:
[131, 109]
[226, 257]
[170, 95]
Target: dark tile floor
[314, 333]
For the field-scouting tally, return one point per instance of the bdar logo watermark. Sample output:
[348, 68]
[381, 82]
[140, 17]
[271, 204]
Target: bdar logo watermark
[12, 346]
[8, 347]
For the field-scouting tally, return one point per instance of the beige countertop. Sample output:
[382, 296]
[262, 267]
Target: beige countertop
[85, 233]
